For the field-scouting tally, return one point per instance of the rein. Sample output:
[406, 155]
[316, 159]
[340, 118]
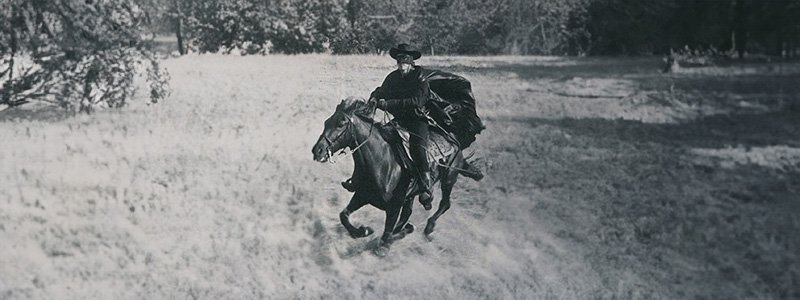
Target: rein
[349, 129]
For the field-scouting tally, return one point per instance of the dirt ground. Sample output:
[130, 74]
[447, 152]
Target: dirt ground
[605, 179]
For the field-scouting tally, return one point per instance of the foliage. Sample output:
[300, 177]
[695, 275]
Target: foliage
[305, 26]
[370, 27]
[259, 27]
[468, 26]
[687, 57]
[519, 27]
[85, 53]
[541, 27]
[78, 54]
[645, 27]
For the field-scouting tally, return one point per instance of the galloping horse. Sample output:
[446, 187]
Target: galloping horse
[381, 180]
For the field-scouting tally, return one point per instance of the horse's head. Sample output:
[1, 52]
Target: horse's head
[338, 134]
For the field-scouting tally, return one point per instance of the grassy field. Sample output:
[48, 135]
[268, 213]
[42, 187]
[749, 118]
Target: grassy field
[605, 180]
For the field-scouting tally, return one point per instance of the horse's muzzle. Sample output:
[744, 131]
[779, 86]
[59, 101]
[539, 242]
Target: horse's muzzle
[321, 150]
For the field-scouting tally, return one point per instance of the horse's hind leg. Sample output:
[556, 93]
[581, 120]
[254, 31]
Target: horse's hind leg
[356, 202]
[444, 204]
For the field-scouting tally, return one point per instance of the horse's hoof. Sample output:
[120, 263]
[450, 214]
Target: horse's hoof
[428, 229]
[426, 199]
[366, 231]
[409, 228]
[429, 237]
[363, 231]
[381, 250]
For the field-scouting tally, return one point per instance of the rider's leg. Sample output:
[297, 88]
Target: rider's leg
[471, 171]
[419, 145]
[348, 184]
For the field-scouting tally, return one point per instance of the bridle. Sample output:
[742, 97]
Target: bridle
[346, 130]
[353, 150]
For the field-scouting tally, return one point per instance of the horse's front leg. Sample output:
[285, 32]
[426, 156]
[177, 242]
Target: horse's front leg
[392, 213]
[403, 227]
[356, 202]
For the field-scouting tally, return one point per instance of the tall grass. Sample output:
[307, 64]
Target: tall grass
[604, 180]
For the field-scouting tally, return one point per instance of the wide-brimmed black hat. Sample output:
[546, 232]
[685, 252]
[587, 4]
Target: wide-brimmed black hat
[404, 49]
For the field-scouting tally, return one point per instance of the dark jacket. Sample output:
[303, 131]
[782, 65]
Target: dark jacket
[405, 96]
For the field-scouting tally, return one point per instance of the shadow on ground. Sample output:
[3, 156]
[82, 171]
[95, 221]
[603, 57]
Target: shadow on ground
[44, 114]
[664, 212]
[716, 131]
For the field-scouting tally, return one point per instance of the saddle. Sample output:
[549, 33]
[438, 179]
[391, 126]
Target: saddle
[441, 146]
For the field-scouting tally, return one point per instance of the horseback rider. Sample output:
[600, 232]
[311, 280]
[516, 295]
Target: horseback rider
[404, 94]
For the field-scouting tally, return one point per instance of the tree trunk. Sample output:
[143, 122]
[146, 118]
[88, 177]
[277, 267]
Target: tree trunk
[545, 45]
[13, 53]
[176, 9]
[179, 35]
[353, 11]
[13, 45]
[740, 28]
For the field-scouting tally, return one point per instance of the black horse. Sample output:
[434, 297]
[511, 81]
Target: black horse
[381, 179]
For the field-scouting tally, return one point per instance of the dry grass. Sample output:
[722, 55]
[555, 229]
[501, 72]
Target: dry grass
[605, 179]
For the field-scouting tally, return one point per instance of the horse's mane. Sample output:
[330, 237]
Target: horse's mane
[357, 106]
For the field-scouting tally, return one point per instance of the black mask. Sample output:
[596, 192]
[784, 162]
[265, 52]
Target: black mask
[405, 58]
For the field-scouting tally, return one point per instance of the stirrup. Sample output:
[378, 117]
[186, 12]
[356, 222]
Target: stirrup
[471, 171]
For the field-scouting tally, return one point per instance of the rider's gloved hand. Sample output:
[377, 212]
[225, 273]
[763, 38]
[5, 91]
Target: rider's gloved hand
[377, 103]
[381, 103]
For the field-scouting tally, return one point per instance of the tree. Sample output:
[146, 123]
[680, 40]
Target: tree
[260, 27]
[372, 26]
[437, 24]
[739, 35]
[306, 26]
[78, 54]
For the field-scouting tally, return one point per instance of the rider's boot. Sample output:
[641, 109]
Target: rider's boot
[472, 171]
[349, 185]
[426, 196]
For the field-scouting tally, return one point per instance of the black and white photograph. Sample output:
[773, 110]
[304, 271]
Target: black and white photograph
[399, 149]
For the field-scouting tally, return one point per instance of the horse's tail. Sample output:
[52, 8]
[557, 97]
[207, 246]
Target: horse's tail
[469, 170]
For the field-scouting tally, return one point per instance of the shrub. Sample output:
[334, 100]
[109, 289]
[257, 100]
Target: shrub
[77, 54]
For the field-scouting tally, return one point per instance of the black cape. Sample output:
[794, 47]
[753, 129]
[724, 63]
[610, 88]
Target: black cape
[452, 105]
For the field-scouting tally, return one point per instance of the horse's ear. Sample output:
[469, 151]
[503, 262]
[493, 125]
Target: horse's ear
[342, 105]
[350, 103]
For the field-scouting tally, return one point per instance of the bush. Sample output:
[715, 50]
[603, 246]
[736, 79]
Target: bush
[77, 54]
[688, 57]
